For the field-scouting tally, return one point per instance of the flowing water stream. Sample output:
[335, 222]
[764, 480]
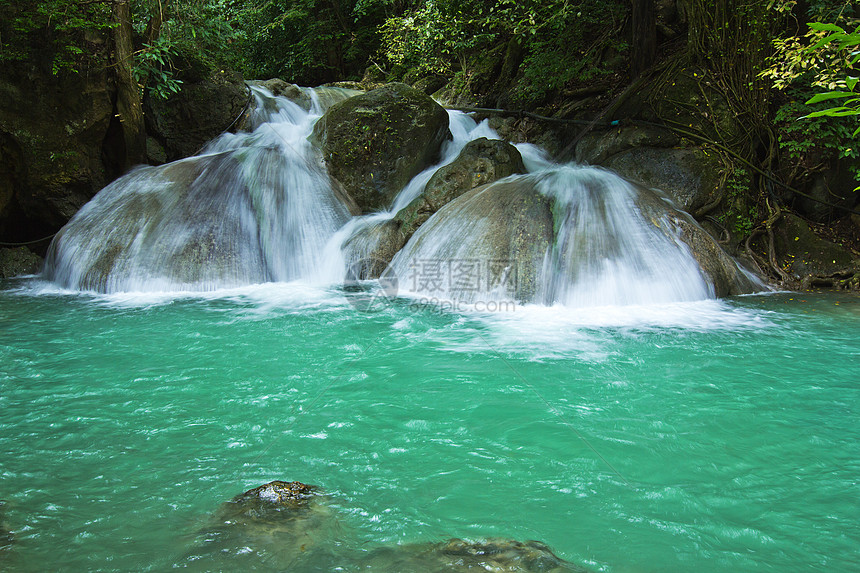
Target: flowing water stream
[649, 428]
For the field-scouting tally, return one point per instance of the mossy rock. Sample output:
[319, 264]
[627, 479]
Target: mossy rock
[55, 146]
[802, 253]
[278, 524]
[18, 261]
[480, 162]
[292, 92]
[597, 147]
[186, 121]
[690, 176]
[721, 270]
[374, 143]
[455, 555]
[430, 84]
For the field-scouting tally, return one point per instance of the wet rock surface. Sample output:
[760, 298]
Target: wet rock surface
[508, 222]
[480, 162]
[727, 277]
[292, 526]
[185, 122]
[374, 143]
[280, 523]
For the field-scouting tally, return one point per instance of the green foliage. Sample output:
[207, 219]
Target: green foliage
[844, 87]
[153, 67]
[814, 71]
[309, 41]
[562, 41]
[570, 47]
[741, 215]
[193, 36]
[811, 143]
[53, 28]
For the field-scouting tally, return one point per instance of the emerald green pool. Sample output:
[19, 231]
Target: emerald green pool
[707, 436]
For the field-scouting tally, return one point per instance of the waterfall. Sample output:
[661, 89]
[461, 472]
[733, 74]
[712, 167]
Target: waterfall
[259, 206]
[572, 235]
[360, 238]
[608, 250]
[252, 207]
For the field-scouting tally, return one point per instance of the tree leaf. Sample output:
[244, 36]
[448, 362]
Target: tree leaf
[826, 27]
[828, 95]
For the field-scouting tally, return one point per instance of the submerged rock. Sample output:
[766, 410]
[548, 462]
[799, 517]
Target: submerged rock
[374, 143]
[279, 523]
[480, 162]
[18, 261]
[6, 537]
[454, 555]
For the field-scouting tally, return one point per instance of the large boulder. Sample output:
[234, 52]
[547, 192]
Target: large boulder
[598, 146]
[580, 236]
[210, 102]
[831, 192]
[722, 271]
[488, 243]
[304, 97]
[690, 176]
[374, 143]
[480, 162]
[205, 222]
[728, 278]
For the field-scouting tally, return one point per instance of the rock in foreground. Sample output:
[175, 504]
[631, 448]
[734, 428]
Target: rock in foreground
[455, 555]
[278, 524]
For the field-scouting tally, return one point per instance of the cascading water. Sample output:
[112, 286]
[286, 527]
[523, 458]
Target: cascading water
[259, 207]
[571, 235]
[253, 207]
[358, 240]
[607, 251]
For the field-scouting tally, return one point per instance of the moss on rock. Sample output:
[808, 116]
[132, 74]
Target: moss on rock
[374, 143]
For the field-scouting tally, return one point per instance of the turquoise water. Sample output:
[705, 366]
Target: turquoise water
[706, 436]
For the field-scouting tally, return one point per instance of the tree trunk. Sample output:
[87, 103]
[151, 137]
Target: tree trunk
[129, 108]
[153, 26]
[644, 40]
